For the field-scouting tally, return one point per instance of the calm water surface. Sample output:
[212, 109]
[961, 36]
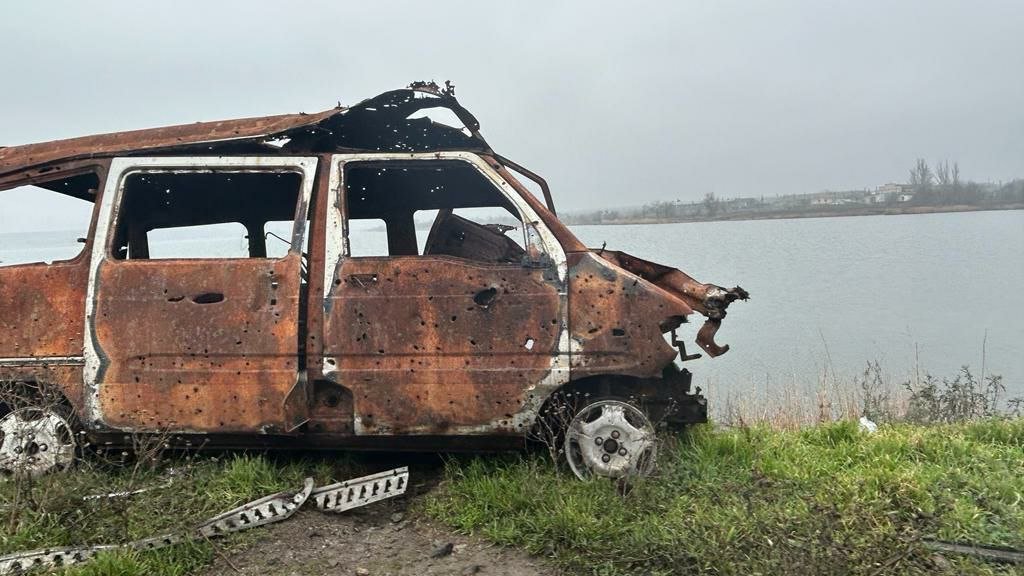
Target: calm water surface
[887, 288]
[921, 291]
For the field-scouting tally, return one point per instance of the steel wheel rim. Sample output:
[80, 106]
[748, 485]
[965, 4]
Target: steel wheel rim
[610, 439]
[35, 441]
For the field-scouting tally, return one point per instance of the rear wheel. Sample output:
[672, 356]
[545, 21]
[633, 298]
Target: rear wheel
[35, 439]
[610, 438]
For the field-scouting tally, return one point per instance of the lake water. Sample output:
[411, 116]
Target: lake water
[835, 293]
[912, 292]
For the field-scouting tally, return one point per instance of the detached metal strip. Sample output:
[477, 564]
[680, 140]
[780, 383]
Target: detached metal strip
[269, 509]
[263, 511]
[49, 558]
[361, 491]
[44, 361]
[993, 553]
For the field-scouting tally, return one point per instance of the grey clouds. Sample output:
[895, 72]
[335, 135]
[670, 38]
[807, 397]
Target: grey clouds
[615, 103]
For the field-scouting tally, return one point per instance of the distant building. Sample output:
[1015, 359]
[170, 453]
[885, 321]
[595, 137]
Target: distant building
[890, 192]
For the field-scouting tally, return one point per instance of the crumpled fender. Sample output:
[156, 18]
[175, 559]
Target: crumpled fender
[707, 299]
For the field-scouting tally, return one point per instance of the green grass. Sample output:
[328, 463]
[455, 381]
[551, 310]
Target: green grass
[49, 511]
[823, 500]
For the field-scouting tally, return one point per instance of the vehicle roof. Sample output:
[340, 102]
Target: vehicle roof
[381, 123]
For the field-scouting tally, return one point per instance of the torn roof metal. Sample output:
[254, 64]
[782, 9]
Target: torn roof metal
[381, 123]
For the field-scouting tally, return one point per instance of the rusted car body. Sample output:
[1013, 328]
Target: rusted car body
[453, 338]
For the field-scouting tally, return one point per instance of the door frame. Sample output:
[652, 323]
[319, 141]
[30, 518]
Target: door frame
[336, 250]
[110, 202]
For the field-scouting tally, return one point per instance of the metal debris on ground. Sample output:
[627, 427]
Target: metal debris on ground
[269, 509]
[361, 491]
[991, 553]
[126, 493]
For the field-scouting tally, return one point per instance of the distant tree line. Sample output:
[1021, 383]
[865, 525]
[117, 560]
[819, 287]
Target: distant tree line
[942, 186]
[938, 186]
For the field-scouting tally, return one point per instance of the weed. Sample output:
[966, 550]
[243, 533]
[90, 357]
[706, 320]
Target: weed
[956, 399]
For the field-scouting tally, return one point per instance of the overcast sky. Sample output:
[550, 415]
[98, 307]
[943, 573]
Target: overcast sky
[615, 103]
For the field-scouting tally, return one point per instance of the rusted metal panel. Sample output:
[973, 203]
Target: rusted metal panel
[172, 362]
[434, 345]
[17, 158]
[42, 309]
[708, 299]
[378, 123]
[617, 320]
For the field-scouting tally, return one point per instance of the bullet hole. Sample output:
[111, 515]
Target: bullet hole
[485, 297]
[208, 298]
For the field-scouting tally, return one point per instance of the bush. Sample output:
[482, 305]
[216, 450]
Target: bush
[956, 399]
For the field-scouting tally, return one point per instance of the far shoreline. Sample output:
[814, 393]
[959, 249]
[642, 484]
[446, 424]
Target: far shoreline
[796, 214]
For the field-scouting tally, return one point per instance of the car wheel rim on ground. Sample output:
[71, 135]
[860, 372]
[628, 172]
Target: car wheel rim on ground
[610, 439]
[35, 441]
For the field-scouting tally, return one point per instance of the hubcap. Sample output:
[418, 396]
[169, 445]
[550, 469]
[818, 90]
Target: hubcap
[610, 439]
[34, 441]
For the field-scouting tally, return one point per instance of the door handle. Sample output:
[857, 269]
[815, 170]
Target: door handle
[208, 298]
[362, 280]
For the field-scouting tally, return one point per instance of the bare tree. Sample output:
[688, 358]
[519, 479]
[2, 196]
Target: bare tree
[942, 175]
[921, 176]
[956, 175]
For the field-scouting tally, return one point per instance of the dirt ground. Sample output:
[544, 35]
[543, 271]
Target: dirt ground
[375, 542]
[384, 538]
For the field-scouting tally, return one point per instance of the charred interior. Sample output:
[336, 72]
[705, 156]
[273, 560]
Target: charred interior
[395, 192]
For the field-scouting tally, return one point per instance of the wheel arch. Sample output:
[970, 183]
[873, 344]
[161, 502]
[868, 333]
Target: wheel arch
[31, 389]
[666, 398]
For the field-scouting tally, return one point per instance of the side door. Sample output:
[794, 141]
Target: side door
[195, 288]
[446, 305]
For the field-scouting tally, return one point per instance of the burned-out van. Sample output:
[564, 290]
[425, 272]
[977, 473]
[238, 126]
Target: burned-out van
[362, 277]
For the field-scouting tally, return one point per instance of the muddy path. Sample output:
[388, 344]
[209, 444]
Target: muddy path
[385, 538]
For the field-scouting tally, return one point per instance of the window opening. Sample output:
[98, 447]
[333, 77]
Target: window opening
[46, 222]
[444, 207]
[208, 214]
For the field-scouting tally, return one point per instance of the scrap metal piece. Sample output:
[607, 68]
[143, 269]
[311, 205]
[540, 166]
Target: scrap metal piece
[273, 508]
[49, 558]
[126, 493]
[269, 509]
[266, 510]
[992, 553]
[361, 491]
[707, 299]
